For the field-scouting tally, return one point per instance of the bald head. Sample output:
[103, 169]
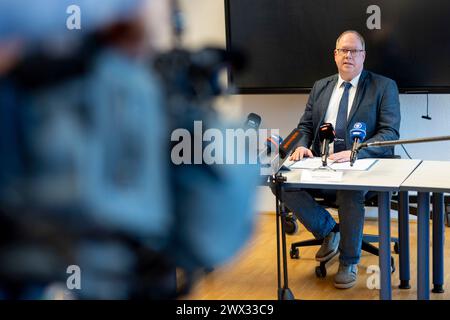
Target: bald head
[356, 33]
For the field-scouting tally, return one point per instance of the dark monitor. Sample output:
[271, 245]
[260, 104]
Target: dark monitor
[289, 43]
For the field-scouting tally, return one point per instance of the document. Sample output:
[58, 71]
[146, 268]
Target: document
[308, 163]
[316, 163]
[359, 165]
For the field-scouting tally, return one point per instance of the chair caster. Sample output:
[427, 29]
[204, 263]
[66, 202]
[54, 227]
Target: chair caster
[321, 271]
[396, 248]
[290, 225]
[295, 253]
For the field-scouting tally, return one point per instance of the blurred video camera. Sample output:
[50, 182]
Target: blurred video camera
[195, 76]
[84, 177]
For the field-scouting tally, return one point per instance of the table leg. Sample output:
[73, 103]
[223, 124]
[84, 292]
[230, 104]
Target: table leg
[403, 241]
[384, 229]
[423, 242]
[438, 242]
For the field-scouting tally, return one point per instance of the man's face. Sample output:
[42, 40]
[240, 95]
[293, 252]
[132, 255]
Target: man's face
[349, 64]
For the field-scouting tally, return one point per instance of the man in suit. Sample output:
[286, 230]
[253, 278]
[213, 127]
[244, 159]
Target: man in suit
[352, 95]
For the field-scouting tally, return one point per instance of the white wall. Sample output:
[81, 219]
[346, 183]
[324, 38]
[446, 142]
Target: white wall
[206, 25]
[413, 107]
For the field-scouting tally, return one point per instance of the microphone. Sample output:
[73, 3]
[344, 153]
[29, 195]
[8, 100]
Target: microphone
[288, 144]
[357, 134]
[253, 121]
[285, 147]
[326, 136]
[272, 145]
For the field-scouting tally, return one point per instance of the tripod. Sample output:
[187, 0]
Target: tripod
[284, 293]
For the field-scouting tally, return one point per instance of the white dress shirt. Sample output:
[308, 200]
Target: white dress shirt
[333, 106]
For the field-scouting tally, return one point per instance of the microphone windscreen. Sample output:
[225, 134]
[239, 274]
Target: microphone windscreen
[290, 143]
[326, 131]
[253, 121]
[358, 131]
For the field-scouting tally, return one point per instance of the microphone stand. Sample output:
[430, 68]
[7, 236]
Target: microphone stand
[284, 293]
[327, 167]
[276, 179]
[397, 142]
[324, 151]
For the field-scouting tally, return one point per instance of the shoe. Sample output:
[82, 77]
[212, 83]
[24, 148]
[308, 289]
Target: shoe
[329, 247]
[346, 276]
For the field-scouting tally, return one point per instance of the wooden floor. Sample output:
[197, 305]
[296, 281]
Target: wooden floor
[252, 273]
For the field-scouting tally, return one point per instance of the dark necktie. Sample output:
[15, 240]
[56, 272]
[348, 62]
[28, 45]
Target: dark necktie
[341, 120]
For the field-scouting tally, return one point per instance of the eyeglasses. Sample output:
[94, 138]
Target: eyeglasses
[353, 52]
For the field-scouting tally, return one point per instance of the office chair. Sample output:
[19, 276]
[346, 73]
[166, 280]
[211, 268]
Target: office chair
[291, 227]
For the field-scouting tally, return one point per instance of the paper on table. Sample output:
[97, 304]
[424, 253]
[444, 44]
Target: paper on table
[308, 163]
[359, 165]
[315, 163]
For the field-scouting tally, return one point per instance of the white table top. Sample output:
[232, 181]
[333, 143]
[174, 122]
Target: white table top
[430, 176]
[384, 175]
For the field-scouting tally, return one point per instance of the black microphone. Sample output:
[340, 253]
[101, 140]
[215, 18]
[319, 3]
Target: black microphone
[253, 121]
[357, 134]
[326, 136]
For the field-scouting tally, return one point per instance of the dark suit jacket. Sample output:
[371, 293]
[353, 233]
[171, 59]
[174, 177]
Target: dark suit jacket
[376, 104]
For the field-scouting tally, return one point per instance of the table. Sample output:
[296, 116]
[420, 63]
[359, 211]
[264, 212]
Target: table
[385, 176]
[429, 177]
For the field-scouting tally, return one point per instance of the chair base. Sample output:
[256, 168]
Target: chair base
[366, 245]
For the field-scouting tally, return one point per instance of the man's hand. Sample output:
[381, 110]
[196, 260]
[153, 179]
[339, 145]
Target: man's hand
[343, 156]
[301, 152]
